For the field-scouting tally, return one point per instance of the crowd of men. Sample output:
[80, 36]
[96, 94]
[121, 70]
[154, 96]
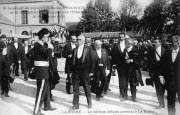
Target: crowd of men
[91, 65]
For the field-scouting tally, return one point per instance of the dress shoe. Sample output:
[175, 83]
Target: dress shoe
[101, 96]
[122, 99]
[105, 92]
[160, 107]
[134, 100]
[51, 109]
[97, 98]
[25, 79]
[2, 93]
[74, 107]
[109, 89]
[6, 94]
[38, 113]
[52, 99]
[89, 106]
[68, 92]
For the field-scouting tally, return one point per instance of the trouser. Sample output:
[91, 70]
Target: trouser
[4, 74]
[171, 93]
[68, 80]
[5, 84]
[108, 79]
[16, 68]
[133, 90]
[44, 97]
[78, 75]
[123, 85]
[160, 89]
[101, 77]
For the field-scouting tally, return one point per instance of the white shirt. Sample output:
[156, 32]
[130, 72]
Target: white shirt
[4, 52]
[26, 49]
[73, 45]
[80, 51]
[158, 50]
[16, 45]
[122, 45]
[174, 54]
[99, 53]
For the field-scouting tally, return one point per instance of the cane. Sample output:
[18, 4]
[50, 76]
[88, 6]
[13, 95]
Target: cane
[39, 97]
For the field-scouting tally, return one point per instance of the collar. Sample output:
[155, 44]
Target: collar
[175, 51]
[98, 49]
[81, 47]
[72, 43]
[159, 47]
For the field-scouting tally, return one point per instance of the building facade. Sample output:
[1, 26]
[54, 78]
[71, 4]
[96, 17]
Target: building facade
[24, 17]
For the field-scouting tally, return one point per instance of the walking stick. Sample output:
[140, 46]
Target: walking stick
[39, 96]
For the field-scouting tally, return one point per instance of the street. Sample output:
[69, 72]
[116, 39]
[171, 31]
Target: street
[22, 99]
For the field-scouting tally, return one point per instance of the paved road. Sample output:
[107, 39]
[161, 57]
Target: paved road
[22, 98]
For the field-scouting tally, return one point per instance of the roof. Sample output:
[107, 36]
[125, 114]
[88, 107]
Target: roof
[5, 20]
[110, 34]
[24, 1]
[71, 26]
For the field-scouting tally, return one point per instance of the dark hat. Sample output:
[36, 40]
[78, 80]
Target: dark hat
[42, 32]
[2, 44]
[3, 36]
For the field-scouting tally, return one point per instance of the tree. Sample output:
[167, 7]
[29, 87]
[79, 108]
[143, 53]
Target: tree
[161, 16]
[128, 14]
[96, 17]
[172, 13]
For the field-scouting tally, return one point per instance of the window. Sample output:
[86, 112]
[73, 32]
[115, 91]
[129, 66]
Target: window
[24, 17]
[58, 17]
[43, 16]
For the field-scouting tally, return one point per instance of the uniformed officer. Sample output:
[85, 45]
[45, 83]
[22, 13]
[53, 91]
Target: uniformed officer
[41, 63]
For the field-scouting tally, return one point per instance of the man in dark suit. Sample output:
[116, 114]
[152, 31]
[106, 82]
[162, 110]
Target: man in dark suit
[82, 69]
[118, 58]
[30, 56]
[26, 62]
[67, 53]
[154, 57]
[7, 54]
[170, 71]
[41, 63]
[108, 47]
[133, 73]
[19, 57]
[101, 68]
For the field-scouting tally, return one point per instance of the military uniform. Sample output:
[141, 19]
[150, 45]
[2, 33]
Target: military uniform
[41, 63]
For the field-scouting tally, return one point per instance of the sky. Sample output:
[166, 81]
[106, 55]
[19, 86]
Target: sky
[74, 15]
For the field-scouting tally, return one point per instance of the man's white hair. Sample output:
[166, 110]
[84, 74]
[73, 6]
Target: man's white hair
[98, 42]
